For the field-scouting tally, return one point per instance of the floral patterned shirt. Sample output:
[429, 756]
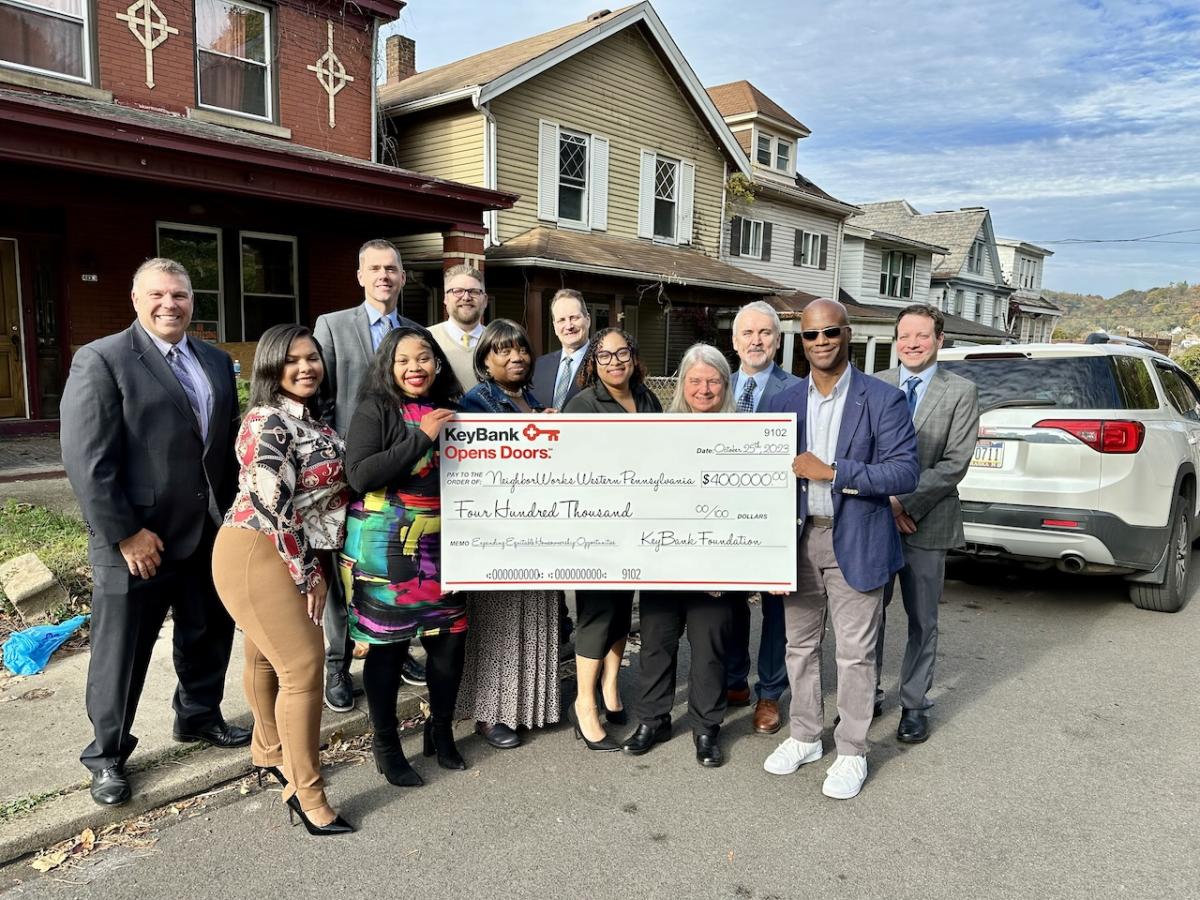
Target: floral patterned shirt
[292, 486]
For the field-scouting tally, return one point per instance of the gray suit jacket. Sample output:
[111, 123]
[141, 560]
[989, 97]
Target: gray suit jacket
[132, 450]
[778, 382]
[345, 339]
[947, 422]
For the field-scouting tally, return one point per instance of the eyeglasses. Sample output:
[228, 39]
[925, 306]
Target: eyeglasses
[459, 293]
[604, 357]
[832, 332]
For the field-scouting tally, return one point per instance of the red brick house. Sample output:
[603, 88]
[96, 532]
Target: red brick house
[238, 137]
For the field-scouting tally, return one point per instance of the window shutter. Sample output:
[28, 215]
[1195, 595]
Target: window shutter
[766, 242]
[646, 196]
[824, 251]
[687, 196]
[598, 188]
[735, 236]
[548, 171]
[798, 249]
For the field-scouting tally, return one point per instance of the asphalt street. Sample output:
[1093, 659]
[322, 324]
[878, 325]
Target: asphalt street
[1062, 764]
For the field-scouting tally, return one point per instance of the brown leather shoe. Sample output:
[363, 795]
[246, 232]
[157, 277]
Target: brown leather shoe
[738, 696]
[766, 717]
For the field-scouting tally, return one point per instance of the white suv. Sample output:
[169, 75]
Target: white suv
[1087, 459]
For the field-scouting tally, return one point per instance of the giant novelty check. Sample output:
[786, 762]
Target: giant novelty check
[612, 502]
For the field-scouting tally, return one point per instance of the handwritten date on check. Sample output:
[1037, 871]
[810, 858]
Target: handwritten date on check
[619, 502]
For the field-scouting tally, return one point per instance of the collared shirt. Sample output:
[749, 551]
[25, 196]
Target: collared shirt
[576, 358]
[760, 380]
[192, 364]
[457, 333]
[922, 385]
[823, 422]
[375, 319]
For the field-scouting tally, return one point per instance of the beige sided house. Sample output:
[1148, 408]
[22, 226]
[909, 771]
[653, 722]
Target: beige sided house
[1031, 317]
[620, 159]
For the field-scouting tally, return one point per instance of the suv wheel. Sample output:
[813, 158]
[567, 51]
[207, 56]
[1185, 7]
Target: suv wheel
[1172, 594]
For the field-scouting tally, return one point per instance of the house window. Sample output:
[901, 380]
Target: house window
[198, 249]
[896, 274]
[958, 303]
[764, 149]
[975, 258]
[752, 233]
[774, 153]
[783, 156]
[666, 184]
[572, 176]
[51, 37]
[810, 250]
[268, 263]
[233, 57]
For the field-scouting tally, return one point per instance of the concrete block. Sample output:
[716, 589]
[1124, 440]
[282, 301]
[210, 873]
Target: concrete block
[31, 588]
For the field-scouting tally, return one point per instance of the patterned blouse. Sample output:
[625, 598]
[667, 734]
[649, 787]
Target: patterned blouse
[292, 486]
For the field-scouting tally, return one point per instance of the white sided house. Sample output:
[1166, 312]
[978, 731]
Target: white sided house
[1031, 317]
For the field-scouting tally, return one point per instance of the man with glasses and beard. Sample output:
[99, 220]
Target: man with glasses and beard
[466, 302]
[856, 449]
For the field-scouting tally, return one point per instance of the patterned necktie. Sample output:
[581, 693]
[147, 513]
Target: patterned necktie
[175, 359]
[385, 325]
[745, 402]
[467, 341]
[910, 390]
[564, 383]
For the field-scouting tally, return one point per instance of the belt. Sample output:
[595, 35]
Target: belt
[820, 521]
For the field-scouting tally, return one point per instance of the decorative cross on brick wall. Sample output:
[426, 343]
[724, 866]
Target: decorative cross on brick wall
[331, 74]
[150, 27]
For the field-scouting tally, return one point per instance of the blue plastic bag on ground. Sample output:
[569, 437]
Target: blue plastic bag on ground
[27, 652]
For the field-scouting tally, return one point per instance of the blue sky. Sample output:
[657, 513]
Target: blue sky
[1067, 118]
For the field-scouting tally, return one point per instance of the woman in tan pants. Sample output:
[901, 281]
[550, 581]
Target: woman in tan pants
[272, 562]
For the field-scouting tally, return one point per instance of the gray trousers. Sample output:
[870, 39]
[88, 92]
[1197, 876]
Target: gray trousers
[822, 592]
[921, 583]
[338, 645]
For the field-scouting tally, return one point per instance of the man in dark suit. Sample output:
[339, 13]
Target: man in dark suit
[348, 339]
[756, 333]
[856, 448]
[554, 374]
[945, 413]
[149, 418]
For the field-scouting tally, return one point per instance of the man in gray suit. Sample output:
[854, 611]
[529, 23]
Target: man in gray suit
[348, 339]
[945, 411]
[149, 417]
[756, 332]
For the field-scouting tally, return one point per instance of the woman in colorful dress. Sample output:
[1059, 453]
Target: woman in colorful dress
[273, 560]
[511, 675]
[390, 564]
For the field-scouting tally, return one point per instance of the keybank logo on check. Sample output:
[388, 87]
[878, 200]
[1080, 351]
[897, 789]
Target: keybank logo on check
[482, 435]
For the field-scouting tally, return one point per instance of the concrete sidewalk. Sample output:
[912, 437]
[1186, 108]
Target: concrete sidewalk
[28, 457]
[43, 727]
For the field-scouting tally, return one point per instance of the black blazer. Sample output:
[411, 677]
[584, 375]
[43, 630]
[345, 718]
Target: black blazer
[597, 399]
[545, 375]
[132, 450]
[381, 449]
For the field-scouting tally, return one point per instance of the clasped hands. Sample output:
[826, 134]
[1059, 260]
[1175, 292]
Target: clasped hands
[905, 523]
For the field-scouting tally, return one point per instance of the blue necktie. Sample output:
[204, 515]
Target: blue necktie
[175, 359]
[910, 390]
[745, 402]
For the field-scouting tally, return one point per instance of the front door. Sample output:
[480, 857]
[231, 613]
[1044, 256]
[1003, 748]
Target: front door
[12, 376]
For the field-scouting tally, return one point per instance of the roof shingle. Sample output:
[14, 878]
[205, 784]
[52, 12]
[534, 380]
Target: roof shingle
[741, 97]
[953, 230]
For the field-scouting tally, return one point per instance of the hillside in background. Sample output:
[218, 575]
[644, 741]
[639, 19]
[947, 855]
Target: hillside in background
[1142, 312]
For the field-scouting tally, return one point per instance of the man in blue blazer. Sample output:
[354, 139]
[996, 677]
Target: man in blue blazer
[555, 374]
[857, 448]
[756, 333]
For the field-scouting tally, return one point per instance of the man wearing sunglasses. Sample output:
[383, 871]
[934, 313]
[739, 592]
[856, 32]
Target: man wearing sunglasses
[857, 448]
[466, 301]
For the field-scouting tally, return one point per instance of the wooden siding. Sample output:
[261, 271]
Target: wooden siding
[851, 272]
[785, 219]
[617, 89]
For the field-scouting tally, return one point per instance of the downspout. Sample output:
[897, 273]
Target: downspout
[492, 216]
[374, 91]
[837, 265]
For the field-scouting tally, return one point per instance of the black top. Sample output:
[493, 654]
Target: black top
[384, 445]
[597, 399]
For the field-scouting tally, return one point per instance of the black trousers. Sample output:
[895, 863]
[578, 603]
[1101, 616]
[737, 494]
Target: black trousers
[709, 623]
[601, 619]
[127, 615]
[445, 654]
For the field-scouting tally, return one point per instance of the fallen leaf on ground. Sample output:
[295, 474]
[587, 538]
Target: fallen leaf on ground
[50, 861]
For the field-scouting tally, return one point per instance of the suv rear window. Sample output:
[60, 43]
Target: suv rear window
[1065, 382]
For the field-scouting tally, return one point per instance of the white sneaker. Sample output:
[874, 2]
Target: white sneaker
[791, 755]
[845, 777]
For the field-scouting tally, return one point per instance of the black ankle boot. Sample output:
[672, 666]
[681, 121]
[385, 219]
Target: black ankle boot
[390, 759]
[439, 739]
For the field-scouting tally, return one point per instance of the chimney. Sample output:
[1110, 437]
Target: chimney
[599, 14]
[401, 53]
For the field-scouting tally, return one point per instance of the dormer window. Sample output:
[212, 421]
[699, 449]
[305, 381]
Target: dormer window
[49, 37]
[764, 150]
[774, 153]
[783, 156]
[975, 259]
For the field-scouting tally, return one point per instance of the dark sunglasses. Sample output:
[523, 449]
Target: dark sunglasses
[833, 331]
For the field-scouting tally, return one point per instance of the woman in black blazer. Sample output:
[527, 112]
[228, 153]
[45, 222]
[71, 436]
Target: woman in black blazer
[612, 380]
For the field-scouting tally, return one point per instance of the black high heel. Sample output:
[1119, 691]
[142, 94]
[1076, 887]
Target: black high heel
[391, 761]
[439, 739]
[274, 772]
[337, 826]
[615, 716]
[605, 745]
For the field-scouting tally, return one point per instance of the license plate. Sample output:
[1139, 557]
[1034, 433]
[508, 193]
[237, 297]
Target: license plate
[988, 455]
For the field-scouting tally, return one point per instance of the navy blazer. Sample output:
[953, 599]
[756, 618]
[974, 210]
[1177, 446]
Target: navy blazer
[779, 379]
[876, 458]
[545, 375]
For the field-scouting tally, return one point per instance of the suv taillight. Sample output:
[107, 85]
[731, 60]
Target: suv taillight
[1103, 435]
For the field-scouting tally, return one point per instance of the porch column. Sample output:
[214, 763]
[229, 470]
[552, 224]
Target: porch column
[893, 359]
[463, 244]
[869, 366]
[534, 318]
[789, 350]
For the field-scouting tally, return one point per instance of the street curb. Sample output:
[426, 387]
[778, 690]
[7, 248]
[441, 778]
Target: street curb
[157, 781]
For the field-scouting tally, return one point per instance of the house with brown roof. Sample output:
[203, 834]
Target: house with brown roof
[1031, 317]
[620, 159]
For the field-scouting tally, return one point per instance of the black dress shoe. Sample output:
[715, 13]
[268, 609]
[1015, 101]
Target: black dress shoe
[218, 734]
[412, 672]
[110, 787]
[498, 735]
[339, 692]
[614, 716]
[708, 751]
[646, 737]
[914, 727]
